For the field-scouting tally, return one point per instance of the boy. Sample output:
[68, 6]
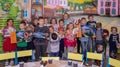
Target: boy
[92, 25]
[41, 43]
[21, 38]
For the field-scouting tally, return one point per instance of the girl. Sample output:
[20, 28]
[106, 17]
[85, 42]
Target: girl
[53, 22]
[61, 28]
[7, 45]
[69, 40]
[54, 42]
[113, 42]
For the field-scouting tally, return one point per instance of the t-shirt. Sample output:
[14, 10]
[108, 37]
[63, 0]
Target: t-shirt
[114, 38]
[54, 44]
[20, 38]
[44, 30]
[98, 35]
[92, 25]
[87, 29]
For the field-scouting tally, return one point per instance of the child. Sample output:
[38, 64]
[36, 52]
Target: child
[92, 25]
[21, 38]
[100, 49]
[7, 45]
[99, 34]
[54, 43]
[46, 22]
[85, 35]
[40, 43]
[69, 40]
[53, 22]
[113, 42]
[61, 28]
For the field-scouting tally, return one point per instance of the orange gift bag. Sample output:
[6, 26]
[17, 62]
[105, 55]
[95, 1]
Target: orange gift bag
[13, 37]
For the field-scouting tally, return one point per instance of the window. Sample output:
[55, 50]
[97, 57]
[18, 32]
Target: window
[101, 11]
[108, 4]
[25, 13]
[102, 3]
[25, 1]
[114, 4]
[60, 2]
[64, 2]
[113, 11]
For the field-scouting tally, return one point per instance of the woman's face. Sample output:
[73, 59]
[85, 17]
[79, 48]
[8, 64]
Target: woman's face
[10, 23]
[66, 16]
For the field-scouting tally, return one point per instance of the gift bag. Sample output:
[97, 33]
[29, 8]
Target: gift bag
[13, 37]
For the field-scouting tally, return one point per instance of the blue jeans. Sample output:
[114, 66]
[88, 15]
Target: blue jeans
[92, 43]
[85, 45]
[56, 54]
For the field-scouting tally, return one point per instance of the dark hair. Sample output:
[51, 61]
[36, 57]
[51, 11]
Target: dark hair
[23, 22]
[54, 36]
[114, 28]
[54, 19]
[83, 18]
[9, 20]
[40, 18]
[61, 20]
[90, 16]
[45, 17]
[51, 27]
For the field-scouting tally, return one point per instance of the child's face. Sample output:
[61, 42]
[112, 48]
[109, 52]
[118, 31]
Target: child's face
[46, 21]
[35, 22]
[61, 23]
[71, 26]
[83, 22]
[51, 30]
[114, 30]
[10, 23]
[22, 26]
[91, 18]
[65, 16]
[53, 21]
[100, 48]
[41, 21]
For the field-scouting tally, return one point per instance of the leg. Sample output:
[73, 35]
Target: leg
[78, 45]
[43, 50]
[37, 52]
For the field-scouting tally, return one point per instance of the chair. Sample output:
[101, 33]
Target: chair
[75, 56]
[47, 58]
[24, 53]
[113, 62]
[95, 56]
[6, 56]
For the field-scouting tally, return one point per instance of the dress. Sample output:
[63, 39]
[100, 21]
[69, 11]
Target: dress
[7, 45]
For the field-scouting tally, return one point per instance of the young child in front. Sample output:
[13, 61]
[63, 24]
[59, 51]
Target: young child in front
[40, 43]
[7, 45]
[54, 43]
[85, 35]
[92, 25]
[69, 40]
[21, 38]
[113, 42]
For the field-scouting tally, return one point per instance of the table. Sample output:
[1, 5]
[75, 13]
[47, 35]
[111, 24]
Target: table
[60, 63]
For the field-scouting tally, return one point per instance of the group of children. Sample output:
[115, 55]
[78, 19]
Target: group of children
[55, 38]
